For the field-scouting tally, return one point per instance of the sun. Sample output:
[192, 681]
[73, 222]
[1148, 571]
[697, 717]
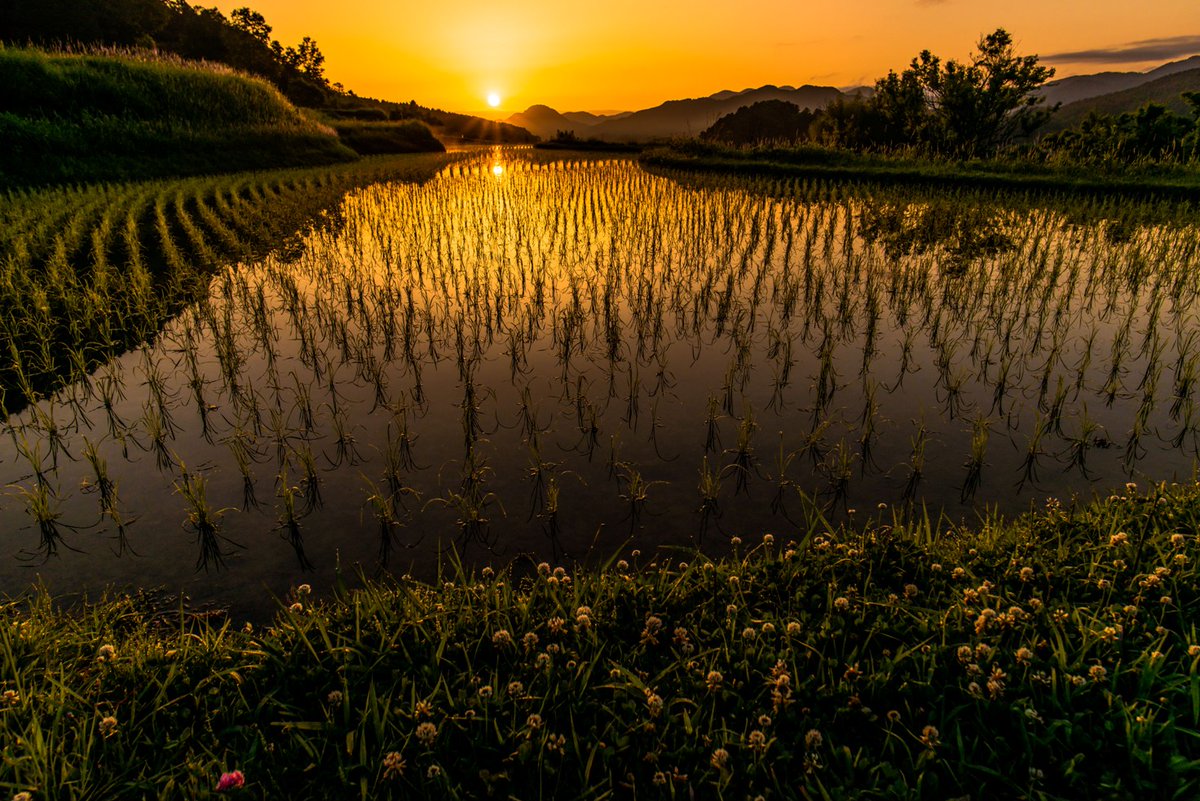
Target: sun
[493, 99]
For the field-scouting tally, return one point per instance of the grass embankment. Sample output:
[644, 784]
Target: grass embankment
[819, 162]
[68, 118]
[1051, 657]
[375, 138]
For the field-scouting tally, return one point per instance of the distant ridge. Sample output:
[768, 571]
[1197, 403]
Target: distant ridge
[1167, 90]
[673, 118]
[1082, 87]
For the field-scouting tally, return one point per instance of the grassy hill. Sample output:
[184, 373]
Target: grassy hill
[120, 116]
[1167, 90]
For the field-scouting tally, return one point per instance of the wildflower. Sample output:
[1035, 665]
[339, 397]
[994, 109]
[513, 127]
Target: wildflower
[930, 737]
[557, 625]
[958, 574]
[659, 778]
[757, 741]
[654, 703]
[516, 688]
[995, 683]
[433, 771]
[793, 628]
[764, 720]
[1194, 650]
[893, 715]
[296, 608]
[233, 780]
[731, 610]
[393, 765]
[1177, 540]
[1120, 538]
[936, 567]
[1024, 656]
[334, 697]
[719, 759]
[813, 739]
[1097, 672]
[965, 653]
[11, 698]
[1035, 604]
[502, 638]
[1026, 574]
[542, 662]
[974, 689]
[485, 691]
[749, 633]
[841, 603]
[530, 641]
[107, 653]
[534, 721]
[768, 539]
[683, 640]
[423, 709]
[108, 725]
[1165, 600]
[23, 796]
[304, 589]
[426, 732]
[852, 672]
[910, 590]
[543, 568]
[735, 541]
[713, 680]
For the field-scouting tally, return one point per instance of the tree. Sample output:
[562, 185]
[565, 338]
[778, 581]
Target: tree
[307, 58]
[978, 107]
[252, 23]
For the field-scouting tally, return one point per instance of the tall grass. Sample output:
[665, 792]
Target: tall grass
[86, 117]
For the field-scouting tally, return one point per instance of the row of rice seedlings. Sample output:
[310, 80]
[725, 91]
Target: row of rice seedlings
[608, 285]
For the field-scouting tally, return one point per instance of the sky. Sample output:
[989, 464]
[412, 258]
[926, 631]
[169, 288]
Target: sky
[631, 54]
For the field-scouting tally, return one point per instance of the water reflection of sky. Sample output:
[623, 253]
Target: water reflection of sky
[563, 358]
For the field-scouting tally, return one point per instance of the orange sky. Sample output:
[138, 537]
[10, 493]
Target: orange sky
[629, 54]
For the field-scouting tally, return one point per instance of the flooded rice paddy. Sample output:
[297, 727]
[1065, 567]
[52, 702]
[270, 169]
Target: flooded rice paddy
[569, 359]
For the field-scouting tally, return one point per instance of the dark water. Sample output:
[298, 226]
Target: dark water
[566, 359]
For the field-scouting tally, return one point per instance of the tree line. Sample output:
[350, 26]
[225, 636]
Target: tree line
[985, 107]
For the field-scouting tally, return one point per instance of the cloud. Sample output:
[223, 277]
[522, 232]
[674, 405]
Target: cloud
[1145, 50]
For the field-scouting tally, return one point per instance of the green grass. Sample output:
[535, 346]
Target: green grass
[1055, 656]
[1003, 174]
[70, 118]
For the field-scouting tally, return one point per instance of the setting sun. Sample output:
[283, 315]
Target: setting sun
[493, 99]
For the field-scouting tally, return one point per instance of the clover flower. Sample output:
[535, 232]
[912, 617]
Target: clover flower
[233, 780]
[426, 732]
[393, 765]
[719, 758]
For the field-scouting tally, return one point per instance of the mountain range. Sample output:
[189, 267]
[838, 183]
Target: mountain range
[1106, 92]
[672, 118]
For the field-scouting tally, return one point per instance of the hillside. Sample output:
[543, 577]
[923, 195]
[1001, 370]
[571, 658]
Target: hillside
[670, 119]
[243, 40]
[92, 117]
[767, 121]
[1167, 90]
[1082, 87]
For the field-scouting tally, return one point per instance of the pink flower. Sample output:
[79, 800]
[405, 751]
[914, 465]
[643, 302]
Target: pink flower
[230, 781]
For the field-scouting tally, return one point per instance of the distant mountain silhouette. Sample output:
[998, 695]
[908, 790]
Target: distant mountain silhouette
[672, 118]
[1082, 87]
[1167, 90]
[764, 122]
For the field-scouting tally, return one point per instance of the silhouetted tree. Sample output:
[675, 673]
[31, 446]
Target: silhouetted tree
[252, 23]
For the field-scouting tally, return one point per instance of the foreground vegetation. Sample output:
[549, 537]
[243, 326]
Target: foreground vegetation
[891, 660]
